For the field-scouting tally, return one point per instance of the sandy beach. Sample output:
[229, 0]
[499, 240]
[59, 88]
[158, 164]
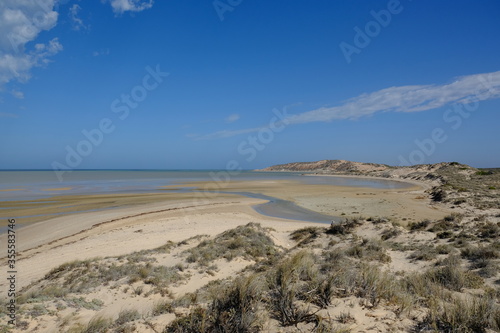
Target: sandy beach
[148, 221]
[174, 217]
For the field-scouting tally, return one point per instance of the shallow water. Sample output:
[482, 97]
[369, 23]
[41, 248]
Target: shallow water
[44, 184]
[32, 185]
[287, 209]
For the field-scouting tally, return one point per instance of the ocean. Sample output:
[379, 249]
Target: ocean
[32, 185]
[24, 188]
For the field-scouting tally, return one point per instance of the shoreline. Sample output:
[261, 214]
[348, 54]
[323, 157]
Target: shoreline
[419, 183]
[102, 236]
[122, 230]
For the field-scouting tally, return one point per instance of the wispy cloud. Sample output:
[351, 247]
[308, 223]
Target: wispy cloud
[103, 52]
[17, 94]
[122, 6]
[465, 89]
[225, 133]
[76, 21]
[232, 118]
[8, 115]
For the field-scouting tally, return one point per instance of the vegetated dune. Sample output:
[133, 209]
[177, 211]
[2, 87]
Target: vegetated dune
[366, 274]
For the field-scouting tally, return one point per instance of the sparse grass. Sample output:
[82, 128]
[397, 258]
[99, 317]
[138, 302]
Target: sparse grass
[250, 242]
[39, 295]
[425, 253]
[345, 318]
[450, 275]
[37, 310]
[284, 284]
[84, 276]
[369, 249]
[162, 307]
[80, 302]
[126, 316]
[233, 309]
[475, 314]
[97, 325]
[306, 235]
[474, 253]
[489, 230]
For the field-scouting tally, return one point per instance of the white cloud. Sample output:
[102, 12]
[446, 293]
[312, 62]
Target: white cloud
[409, 99]
[18, 66]
[17, 94]
[76, 21]
[21, 21]
[232, 118]
[122, 6]
[466, 89]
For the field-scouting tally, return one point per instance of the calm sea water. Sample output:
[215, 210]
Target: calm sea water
[32, 185]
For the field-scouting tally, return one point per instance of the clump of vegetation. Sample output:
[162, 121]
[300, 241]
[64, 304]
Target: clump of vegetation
[425, 253]
[343, 228]
[418, 226]
[233, 309]
[250, 242]
[484, 173]
[474, 253]
[438, 195]
[126, 316]
[306, 235]
[284, 284]
[369, 249]
[450, 275]
[97, 324]
[489, 230]
[475, 314]
[390, 233]
[378, 220]
[162, 307]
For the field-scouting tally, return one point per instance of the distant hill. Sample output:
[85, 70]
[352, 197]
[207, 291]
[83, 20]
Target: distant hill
[430, 171]
[451, 182]
[329, 166]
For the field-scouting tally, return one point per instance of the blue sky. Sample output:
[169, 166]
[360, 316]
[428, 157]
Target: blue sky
[250, 83]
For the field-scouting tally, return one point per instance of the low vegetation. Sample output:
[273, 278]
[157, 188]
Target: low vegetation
[330, 279]
[250, 242]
